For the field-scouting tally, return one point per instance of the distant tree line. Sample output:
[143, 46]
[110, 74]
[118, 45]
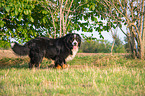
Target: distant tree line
[103, 46]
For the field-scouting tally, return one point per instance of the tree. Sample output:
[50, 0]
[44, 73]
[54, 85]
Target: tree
[131, 14]
[27, 19]
[64, 15]
[114, 36]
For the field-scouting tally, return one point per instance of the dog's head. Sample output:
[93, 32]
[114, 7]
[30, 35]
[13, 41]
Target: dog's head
[73, 40]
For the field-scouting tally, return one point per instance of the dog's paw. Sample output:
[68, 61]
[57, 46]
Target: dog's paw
[64, 66]
[58, 67]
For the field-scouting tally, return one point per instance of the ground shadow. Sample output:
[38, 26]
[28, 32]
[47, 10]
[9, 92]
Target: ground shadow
[7, 63]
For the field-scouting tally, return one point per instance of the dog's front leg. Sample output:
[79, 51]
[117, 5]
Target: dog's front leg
[64, 65]
[58, 63]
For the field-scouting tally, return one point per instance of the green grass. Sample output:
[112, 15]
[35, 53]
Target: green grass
[87, 75]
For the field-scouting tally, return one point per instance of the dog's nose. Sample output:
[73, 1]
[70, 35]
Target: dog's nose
[75, 43]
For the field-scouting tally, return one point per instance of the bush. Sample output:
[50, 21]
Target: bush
[4, 45]
[98, 46]
[101, 46]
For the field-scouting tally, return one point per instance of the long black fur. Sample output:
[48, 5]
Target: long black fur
[56, 49]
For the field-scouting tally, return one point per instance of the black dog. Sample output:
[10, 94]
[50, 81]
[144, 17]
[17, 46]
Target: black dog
[60, 50]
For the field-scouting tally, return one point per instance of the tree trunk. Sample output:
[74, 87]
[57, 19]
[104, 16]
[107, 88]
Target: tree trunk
[112, 46]
[64, 26]
[143, 40]
[132, 43]
[131, 48]
[61, 17]
[142, 30]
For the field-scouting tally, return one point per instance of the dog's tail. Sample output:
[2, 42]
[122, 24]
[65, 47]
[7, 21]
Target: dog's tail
[21, 50]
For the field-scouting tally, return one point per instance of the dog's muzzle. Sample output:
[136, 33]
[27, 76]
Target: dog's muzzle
[75, 43]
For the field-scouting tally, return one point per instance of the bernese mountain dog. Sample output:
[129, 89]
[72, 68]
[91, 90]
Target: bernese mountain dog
[60, 50]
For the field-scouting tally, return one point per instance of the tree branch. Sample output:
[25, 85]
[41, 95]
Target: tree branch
[61, 17]
[107, 2]
[123, 31]
[66, 17]
[53, 21]
[141, 19]
[120, 4]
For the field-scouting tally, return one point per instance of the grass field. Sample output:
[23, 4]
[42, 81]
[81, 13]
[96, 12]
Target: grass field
[103, 75]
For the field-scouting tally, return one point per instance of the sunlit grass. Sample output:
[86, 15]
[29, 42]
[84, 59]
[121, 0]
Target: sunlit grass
[87, 75]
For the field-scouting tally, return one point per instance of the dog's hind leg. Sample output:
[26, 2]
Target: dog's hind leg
[36, 58]
[35, 63]
[31, 64]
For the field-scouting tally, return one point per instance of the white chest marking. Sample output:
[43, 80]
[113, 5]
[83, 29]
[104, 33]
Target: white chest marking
[12, 45]
[70, 57]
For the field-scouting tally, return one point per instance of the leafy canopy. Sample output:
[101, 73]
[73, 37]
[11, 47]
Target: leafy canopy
[26, 19]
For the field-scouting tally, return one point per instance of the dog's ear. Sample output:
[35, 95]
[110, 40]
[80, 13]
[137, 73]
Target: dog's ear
[67, 38]
[79, 44]
[79, 40]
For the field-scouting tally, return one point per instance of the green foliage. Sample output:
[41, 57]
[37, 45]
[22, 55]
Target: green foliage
[22, 19]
